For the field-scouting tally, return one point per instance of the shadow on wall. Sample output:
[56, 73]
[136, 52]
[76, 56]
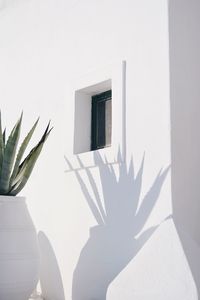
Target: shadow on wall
[50, 277]
[184, 40]
[112, 243]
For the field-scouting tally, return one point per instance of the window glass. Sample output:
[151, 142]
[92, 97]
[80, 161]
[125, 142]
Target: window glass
[101, 125]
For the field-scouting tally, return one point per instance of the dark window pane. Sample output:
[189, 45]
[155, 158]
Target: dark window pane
[108, 122]
[101, 120]
[100, 124]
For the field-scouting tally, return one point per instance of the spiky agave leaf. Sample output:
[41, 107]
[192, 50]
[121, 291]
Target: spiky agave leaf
[9, 156]
[4, 137]
[21, 152]
[1, 145]
[25, 172]
[26, 167]
[42, 140]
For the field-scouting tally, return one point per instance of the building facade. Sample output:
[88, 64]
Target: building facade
[119, 222]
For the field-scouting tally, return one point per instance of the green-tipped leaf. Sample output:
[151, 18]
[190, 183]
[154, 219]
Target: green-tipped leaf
[27, 165]
[42, 140]
[1, 145]
[21, 152]
[4, 137]
[8, 157]
[26, 171]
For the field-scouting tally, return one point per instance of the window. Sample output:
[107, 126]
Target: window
[101, 123]
[98, 125]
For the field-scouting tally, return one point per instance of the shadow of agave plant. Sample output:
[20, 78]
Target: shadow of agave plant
[112, 243]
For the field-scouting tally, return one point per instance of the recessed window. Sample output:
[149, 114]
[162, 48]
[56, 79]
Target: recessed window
[101, 121]
[93, 117]
[98, 112]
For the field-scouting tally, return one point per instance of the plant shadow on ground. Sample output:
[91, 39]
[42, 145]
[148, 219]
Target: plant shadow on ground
[115, 241]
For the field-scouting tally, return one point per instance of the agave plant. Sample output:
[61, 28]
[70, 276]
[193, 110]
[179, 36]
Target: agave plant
[15, 172]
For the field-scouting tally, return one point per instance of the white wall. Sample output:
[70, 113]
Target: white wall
[184, 22]
[44, 47]
[185, 105]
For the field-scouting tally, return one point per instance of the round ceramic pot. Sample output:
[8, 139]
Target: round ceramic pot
[19, 253]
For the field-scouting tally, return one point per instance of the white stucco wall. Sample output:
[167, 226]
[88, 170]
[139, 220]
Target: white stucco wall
[185, 91]
[46, 46]
[184, 21]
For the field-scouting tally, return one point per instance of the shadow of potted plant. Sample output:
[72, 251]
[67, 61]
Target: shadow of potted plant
[119, 235]
[19, 255]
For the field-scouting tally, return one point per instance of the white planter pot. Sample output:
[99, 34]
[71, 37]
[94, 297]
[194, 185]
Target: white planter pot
[19, 254]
